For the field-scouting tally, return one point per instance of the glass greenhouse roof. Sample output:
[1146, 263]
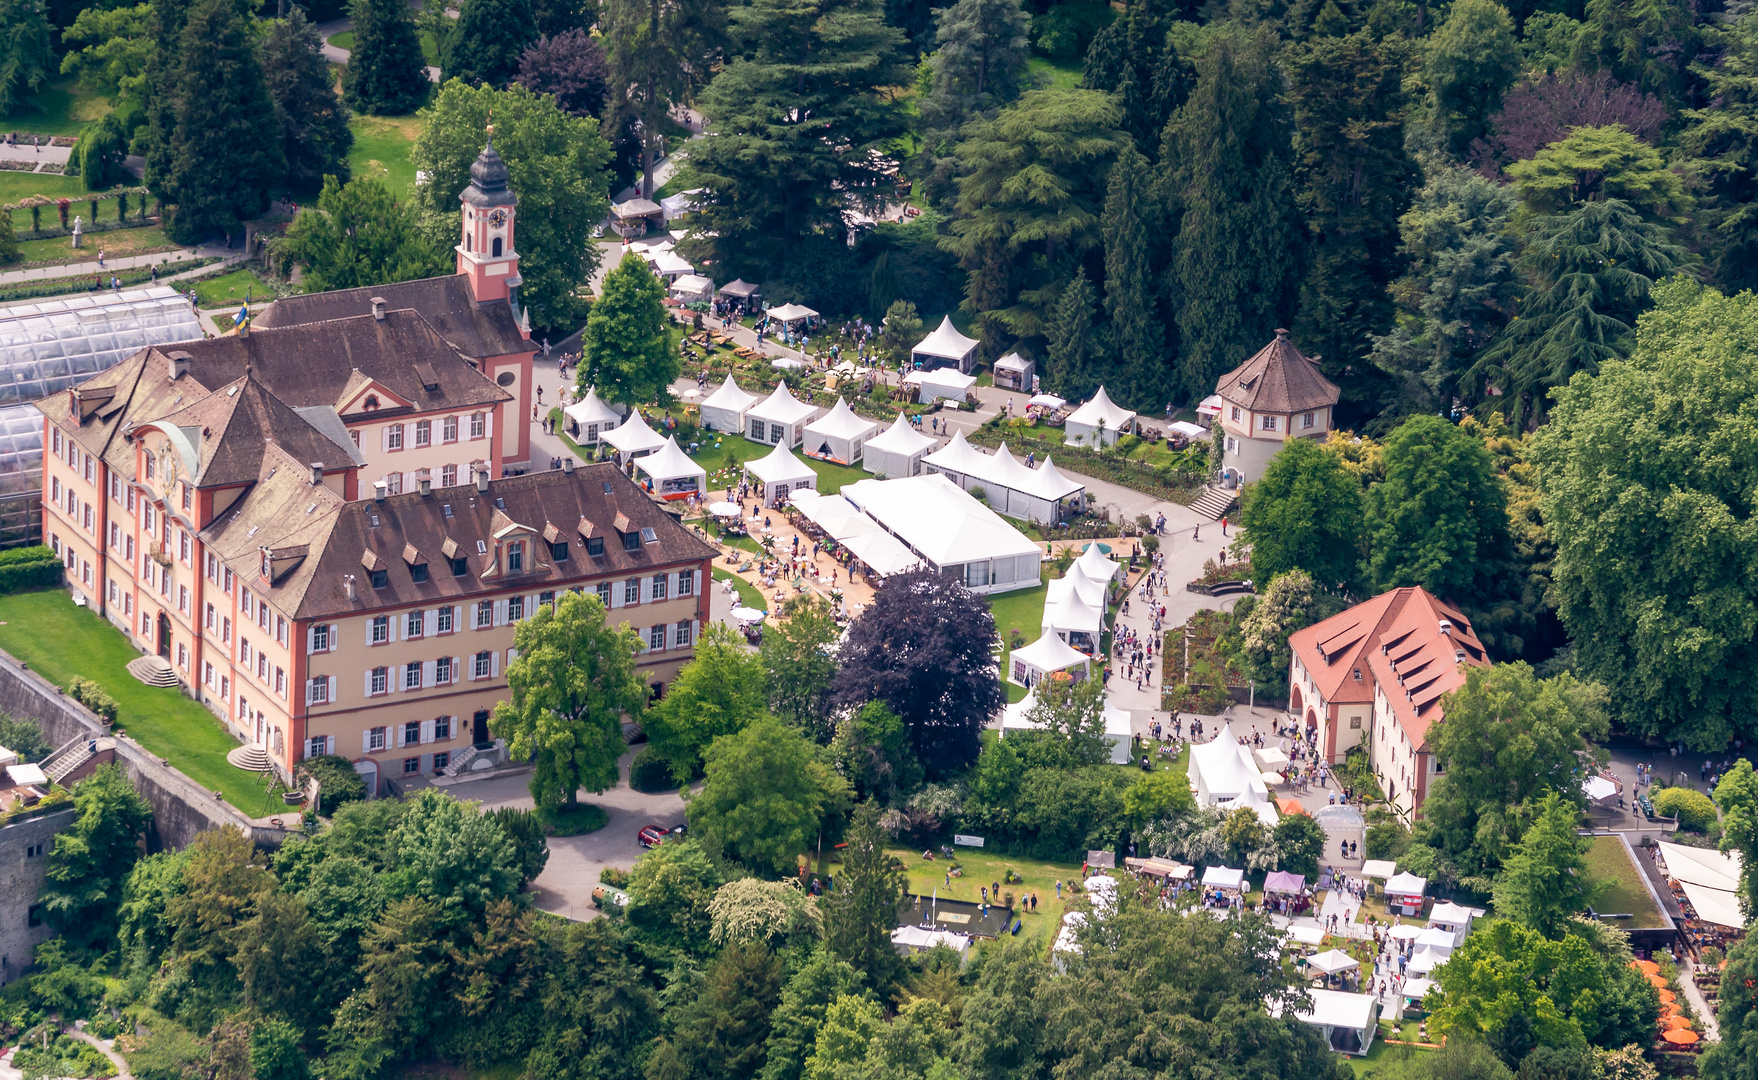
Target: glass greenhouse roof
[49, 345]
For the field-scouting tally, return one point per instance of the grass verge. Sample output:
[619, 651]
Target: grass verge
[116, 244]
[230, 289]
[61, 107]
[382, 145]
[749, 595]
[60, 641]
[1022, 610]
[582, 818]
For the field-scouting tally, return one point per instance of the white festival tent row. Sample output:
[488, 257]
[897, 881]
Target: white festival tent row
[951, 531]
[1711, 882]
[779, 474]
[593, 416]
[1028, 664]
[946, 346]
[1044, 494]
[1119, 726]
[779, 419]
[838, 435]
[724, 410]
[633, 439]
[934, 384]
[1076, 583]
[1098, 419]
[671, 474]
[896, 451]
[1074, 620]
[843, 522]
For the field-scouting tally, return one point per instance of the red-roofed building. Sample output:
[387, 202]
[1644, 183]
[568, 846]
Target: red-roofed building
[1374, 675]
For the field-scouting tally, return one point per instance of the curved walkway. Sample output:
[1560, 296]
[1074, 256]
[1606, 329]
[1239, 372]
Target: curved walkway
[328, 30]
[103, 1047]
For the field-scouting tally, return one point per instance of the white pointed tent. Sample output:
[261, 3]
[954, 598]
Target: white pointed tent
[896, 451]
[1095, 565]
[1012, 487]
[778, 474]
[779, 419]
[838, 435]
[1223, 774]
[592, 417]
[1029, 663]
[1074, 620]
[633, 439]
[946, 346]
[669, 265]
[1077, 583]
[671, 474]
[934, 384]
[1098, 419]
[725, 408]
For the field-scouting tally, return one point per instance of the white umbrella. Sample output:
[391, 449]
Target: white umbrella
[748, 614]
[1405, 932]
[724, 509]
[692, 393]
[1048, 401]
[1271, 778]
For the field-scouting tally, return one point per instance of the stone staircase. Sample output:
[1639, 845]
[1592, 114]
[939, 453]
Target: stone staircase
[1214, 502]
[67, 757]
[460, 763]
[154, 671]
[250, 757]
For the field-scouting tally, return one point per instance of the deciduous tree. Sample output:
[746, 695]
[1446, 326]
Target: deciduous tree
[626, 350]
[92, 858]
[796, 654]
[1472, 58]
[1439, 518]
[1305, 513]
[571, 66]
[765, 796]
[1544, 880]
[570, 688]
[359, 235]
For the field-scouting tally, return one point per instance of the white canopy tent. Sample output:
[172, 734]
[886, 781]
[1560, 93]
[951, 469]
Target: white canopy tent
[934, 384]
[593, 417]
[951, 531]
[1100, 419]
[1333, 962]
[779, 419]
[1711, 880]
[788, 314]
[676, 206]
[1095, 564]
[838, 435]
[1415, 990]
[669, 265]
[633, 439]
[1028, 664]
[1223, 774]
[1223, 877]
[1406, 931]
[920, 939]
[693, 288]
[1043, 494]
[1076, 583]
[1454, 918]
[1193, 432]
[1424, 961]
[1306, 933]
[1074, 620]
[1379, 869]
[779, 474]
[1014, 372]
[843, 522]
[896, 451]
[946, 346]
[671, 474]
[883, 553]
[725, 408]
[831, 513]
[1347, 1022]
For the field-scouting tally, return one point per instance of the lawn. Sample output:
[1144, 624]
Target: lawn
[60, 108]
[21, 185]
[381, 150]
[60, 641]
[1022, 610]
[1624, 893]
[749, 595]
[983, 868]
[230, 290]
[429, 51]
[1055, 75]
[1380, 1053]
[115, 245]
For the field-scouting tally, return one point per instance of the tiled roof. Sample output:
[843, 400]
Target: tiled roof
[1429, 659]
[1333, 649]
[476, 330]
[1278, 380]
[343, 536]
[232, 425]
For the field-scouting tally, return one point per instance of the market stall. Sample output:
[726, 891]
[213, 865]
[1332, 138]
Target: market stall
[1015, 372]
[1099, 420]
[589, 417]
[740, 293]
[1287, 892]
[896, 451]
[1404, 894]
[936, 384]
[1030, 663]
[725, 409]
[1334, 965]
[671, 474]
[692, 289]
[945, 347]
[789, 314]
[1222, 885]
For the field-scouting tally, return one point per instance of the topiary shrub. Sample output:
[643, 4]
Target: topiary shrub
[93, 697]
[1693, 808]
[650, 771]
[34, 567]
[338, 783]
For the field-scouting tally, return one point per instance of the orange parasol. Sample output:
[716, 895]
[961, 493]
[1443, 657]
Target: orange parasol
[1676, 1023]
[1680, 1038]
[1667, 997]
[1669, 1009]
[1646, 967]
[1657, 982]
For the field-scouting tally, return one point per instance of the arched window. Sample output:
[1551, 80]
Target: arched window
[497, 246]
[467, 246]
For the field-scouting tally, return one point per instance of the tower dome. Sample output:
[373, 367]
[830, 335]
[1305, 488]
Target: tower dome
[488, 180]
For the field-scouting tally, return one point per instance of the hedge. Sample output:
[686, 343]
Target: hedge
[92, 696]
[650, 771]
[34, 567]
[1693, 808]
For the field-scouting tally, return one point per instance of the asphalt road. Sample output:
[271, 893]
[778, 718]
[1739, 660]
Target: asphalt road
[565, 886]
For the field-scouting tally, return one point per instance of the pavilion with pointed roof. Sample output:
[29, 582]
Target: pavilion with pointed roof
[1277, 395]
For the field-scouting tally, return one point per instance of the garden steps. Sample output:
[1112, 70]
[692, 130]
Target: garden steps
[66, 759]
[1214, 502]
[460, 763]
[250, 757]
[154, 671]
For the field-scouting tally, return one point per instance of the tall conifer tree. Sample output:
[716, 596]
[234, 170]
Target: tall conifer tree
[487, 40]
[385, 74]
[315, 136]
[1070, 340]
[1142, 376]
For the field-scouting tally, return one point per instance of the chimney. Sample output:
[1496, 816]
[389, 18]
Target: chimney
[348, 584]
[568, 464]
[179, 364]
[379, 488]
[317, 473]
[378, 308]
[482, 481]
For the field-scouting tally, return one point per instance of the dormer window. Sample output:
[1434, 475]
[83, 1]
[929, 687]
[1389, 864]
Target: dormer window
[631, 541]
[460, 566]
[418, 573]
[1357, 674]
[268, 570]
[515, 556]
[595, 547]
[559, 551]
[380, 578]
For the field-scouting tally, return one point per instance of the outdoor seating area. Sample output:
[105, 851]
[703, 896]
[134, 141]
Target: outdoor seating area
[1706, 885]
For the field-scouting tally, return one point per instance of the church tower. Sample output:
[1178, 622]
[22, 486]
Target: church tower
[485, 253]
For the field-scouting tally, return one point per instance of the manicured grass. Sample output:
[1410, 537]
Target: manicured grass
[381, 151]
[60, 108]
[583, 818]
[1021, 610]
[743, 543]
[230, 290]
[1607, 865]
[1380, 1053]
[114, 245]
[22, 185]
[1055, 74]
[983, 868]
[749, 595]
[60, 641]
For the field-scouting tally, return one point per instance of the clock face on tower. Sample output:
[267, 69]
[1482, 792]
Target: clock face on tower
[498, 219]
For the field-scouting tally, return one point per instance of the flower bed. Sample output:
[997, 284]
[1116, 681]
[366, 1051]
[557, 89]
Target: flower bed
[1202, 686]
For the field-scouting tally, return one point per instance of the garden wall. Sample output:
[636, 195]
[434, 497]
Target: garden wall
[181, 807]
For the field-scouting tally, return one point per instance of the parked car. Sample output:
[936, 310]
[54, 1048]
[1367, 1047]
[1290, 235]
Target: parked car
[654, 835]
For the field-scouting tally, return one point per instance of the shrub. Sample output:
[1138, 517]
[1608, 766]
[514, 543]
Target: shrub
[338, 783]
[34, 567]
[525, 832]
[614, 876]
[93, 697]
[23, 737]
[1693, 808]
[650, 771]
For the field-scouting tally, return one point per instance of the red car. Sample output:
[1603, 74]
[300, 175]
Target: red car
[653, 835]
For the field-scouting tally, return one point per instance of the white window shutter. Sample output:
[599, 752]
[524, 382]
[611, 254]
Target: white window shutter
[427, 731]
[512, 655]
[458, 670]
[458, 618]
[332, 697]
[384, 438]
[330, 741]
[695, 630]
[494, 664]
[369, 631]
[500, 613]
[427, 672]
[391, 626]
[366, 739]
[488, 424]
[336, 635]
[310, 647]
[398, 728]
[368, 682]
